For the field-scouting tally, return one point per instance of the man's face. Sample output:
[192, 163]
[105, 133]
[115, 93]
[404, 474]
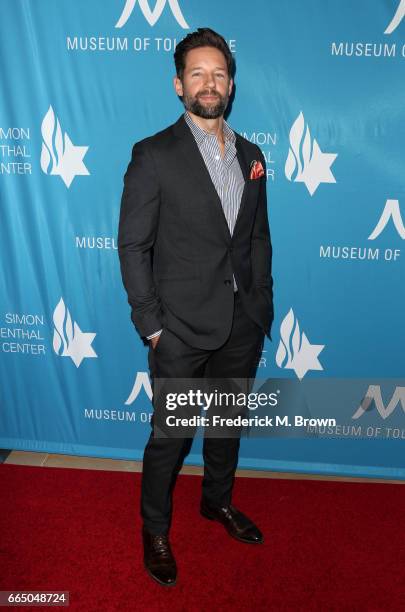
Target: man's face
[205, 86]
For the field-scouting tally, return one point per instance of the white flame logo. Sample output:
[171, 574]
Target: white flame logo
[48, 149]
[305, 161]
[286, 332]
[152, 16]
[63, 332]
[59, 156]
[295, 351]
[398, 17]
[391, 210]
[68, 338]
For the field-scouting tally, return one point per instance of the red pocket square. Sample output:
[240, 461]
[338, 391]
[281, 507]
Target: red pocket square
[256, 170]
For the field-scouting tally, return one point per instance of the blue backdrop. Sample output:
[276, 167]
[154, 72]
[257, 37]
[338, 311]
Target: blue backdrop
[320, 88]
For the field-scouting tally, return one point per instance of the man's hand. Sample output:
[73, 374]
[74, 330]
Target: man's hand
[153, 341]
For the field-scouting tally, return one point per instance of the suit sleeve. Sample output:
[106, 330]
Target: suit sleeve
[138, 224]
[261, 242]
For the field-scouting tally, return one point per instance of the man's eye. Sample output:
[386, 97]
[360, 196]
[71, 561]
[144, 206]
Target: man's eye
[220, 75]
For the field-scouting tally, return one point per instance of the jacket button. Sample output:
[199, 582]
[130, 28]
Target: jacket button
[227, 281]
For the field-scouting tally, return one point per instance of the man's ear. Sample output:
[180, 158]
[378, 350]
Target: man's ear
[230, 86]
[178, 86]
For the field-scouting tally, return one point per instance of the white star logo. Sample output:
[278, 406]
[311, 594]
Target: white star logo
[318, 169]
[80, 346]
[59, 153]
[302, 356]
[69, 337]
[306, 359]
[71, 164]
[305, 160]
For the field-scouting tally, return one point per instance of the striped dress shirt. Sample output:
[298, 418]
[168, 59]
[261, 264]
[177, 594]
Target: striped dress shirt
[224, 171]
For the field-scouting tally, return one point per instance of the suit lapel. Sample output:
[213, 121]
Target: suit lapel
[192, 158]
[241, 158]
[243, 163]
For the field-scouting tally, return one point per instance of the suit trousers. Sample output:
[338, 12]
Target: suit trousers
[238, 357]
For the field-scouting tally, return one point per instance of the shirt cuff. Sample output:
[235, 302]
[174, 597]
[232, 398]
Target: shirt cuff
[154, 335]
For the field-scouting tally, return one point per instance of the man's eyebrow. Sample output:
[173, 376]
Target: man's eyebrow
[202, 67]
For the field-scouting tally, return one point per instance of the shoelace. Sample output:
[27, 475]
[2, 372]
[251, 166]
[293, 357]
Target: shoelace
[228, 512]
[161, 545]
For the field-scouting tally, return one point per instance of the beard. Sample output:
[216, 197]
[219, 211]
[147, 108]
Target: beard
[206, 111]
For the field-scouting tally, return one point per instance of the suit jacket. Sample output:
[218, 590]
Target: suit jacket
[176, 253]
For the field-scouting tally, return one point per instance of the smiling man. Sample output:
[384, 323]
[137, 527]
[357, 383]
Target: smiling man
[195, 255]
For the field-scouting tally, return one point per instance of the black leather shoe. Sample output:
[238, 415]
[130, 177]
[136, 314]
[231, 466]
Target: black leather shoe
[158, 558]
[237, 524]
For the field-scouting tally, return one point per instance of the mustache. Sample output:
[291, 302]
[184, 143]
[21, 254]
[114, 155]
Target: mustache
[208, 92]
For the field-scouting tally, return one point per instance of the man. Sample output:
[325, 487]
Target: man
[195, 256]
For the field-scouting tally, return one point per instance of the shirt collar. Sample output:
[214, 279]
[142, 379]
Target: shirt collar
[200, 135]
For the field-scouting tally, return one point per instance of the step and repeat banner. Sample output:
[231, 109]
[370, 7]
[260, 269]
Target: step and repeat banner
[320, 89]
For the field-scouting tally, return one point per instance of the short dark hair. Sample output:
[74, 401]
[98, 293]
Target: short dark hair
[203, 37]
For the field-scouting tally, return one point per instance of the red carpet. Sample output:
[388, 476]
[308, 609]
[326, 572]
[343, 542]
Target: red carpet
[329, 545]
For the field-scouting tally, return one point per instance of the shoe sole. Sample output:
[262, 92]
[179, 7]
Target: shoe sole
[235, 537]
[166, 584]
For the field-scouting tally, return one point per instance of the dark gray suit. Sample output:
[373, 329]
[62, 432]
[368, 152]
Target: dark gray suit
[178, 260]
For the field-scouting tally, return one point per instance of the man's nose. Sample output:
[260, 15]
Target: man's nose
[210, 81]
